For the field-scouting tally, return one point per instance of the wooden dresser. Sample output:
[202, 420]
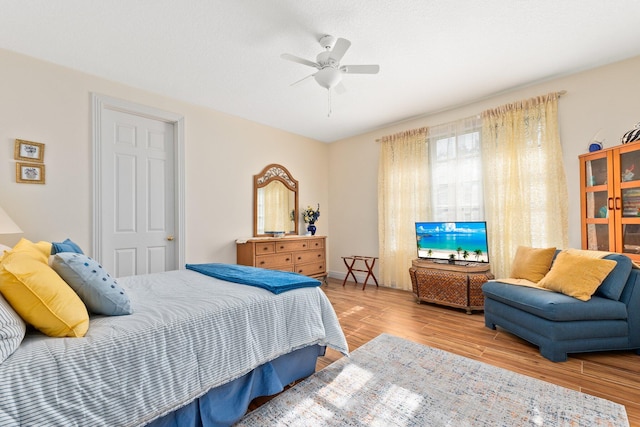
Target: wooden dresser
[300, 254]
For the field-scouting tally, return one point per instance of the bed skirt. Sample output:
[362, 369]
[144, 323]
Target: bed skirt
[226, 404]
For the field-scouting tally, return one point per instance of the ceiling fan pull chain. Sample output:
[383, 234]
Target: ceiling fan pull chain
[329, 113]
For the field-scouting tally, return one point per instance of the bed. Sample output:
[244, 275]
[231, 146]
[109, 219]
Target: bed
[195, 351]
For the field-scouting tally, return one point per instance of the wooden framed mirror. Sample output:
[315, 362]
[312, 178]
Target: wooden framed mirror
[275, 202]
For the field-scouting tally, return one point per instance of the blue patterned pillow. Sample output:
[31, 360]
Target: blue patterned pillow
[99, 291]
[66, 246]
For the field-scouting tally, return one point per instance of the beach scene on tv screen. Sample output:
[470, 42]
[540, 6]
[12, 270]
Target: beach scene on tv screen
[441, 240]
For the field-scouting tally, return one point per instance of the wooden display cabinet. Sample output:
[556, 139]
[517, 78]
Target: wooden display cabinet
[610, 200]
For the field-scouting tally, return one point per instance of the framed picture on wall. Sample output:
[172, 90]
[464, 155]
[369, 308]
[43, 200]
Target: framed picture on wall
[30, 151]
[30, 173]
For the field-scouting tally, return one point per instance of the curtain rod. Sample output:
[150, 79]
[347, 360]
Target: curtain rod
[559, 93]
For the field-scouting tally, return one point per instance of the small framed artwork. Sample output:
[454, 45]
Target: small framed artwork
[30, 173]
[30, 151]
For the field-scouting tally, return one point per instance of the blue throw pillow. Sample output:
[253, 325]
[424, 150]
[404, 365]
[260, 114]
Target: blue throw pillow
[99, 291]
[66, 246]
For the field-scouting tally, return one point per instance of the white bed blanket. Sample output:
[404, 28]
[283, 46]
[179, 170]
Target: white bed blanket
[188, 333]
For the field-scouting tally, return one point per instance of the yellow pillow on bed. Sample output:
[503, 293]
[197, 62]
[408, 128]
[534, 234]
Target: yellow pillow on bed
[39, 251]
[531, 263]
[577, 276]
[39, 295]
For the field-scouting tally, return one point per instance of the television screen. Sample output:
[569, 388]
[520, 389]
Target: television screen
[466, 241]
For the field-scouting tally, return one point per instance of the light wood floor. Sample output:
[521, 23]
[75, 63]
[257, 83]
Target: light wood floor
[366, 314]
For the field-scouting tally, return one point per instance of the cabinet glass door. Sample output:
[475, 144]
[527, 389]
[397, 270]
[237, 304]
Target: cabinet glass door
[598, 204]
[598, 237]
[629, 175]
[596, 172]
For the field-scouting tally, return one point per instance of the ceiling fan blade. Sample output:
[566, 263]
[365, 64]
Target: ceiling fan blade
[299, 60]
[304, 78]
[340, 88]
[339, 49]
[360, 69]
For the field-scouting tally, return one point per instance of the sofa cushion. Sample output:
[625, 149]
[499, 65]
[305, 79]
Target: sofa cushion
[531, 263]
[615, 282]
[554, 306]
[576, 275]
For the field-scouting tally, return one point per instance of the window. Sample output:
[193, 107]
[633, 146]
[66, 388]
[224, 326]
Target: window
[456, 171]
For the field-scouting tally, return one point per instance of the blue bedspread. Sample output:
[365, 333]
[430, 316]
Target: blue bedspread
[271, 280]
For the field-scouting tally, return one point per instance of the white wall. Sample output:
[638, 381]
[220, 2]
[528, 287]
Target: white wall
[604, 100]
[50, 104]
[46, 103]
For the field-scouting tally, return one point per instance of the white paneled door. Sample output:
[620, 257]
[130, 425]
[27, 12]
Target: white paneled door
[137, 194]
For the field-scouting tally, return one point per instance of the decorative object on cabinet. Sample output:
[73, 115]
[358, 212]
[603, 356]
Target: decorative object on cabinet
[596, 143]
[632, 135]
[30, 173]
[595, 146]
[29, 151]
[310, 217]
[275, 202]
[610, 200]
[300, 254]
[453, 285]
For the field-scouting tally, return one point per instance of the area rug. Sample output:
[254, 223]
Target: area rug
[390, 381]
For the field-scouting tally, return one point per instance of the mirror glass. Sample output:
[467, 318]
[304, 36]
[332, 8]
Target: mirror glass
[275, 202]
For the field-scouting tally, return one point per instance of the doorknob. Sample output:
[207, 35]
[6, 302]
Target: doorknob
[170, 238]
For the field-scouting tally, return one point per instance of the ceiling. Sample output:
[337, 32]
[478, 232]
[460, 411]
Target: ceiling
[225, 55]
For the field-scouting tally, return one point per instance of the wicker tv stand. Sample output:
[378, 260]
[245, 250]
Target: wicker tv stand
[455, 285]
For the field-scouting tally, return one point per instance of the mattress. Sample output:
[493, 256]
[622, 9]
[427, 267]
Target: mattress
[188, 333]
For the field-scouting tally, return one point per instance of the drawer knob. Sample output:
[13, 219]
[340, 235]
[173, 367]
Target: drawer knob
[299, 258]
[281, 247]
[287, 259]
[304, 245]
[319, 255]
[265, 248]
[261, 262]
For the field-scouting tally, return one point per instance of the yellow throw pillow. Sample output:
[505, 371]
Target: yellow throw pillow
[40, 296]
[40, 250]
[577, 276]
[531, 263]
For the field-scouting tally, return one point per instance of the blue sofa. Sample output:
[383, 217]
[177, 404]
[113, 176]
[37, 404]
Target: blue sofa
[559, 324]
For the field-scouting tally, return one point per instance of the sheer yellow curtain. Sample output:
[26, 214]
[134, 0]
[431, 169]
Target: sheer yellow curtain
[524, 179]
[403, 198]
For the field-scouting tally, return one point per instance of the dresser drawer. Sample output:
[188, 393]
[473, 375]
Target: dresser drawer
[316, 243]
[311, 268]
[308, 256]
[275, 260]
[265, 248]
[296, 245]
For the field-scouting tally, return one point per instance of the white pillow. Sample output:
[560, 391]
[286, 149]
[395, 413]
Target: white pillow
[12, 330]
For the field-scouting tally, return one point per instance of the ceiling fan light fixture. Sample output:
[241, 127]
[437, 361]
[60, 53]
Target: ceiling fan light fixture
[328, 77]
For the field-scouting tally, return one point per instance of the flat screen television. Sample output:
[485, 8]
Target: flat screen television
[440, 240]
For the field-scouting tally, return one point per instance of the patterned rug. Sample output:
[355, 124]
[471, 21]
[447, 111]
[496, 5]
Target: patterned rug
[390, 381]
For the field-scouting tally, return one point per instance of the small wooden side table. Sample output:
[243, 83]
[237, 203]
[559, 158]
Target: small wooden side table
[369, 262]
[455, 285]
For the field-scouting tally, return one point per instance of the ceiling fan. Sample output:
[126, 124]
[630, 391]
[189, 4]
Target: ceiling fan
[329, 74]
